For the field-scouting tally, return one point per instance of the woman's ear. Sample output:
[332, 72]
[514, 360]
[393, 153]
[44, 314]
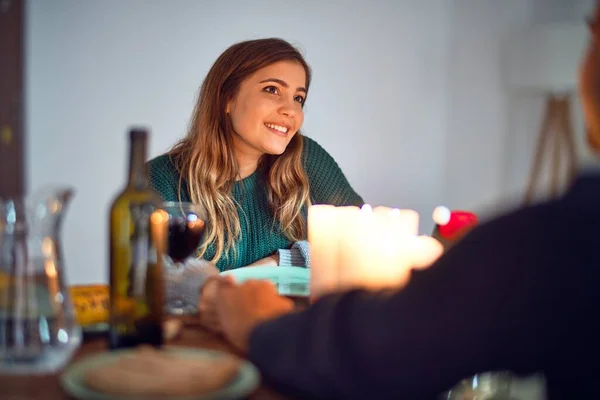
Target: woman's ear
[229, 107]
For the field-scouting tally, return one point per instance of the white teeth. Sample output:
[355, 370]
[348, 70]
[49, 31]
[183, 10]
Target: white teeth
[279, 128]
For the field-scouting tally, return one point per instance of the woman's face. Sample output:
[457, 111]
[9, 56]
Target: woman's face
[589, 82]
[267, 110]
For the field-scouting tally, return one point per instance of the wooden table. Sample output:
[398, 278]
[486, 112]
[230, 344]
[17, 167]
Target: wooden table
[48, 386]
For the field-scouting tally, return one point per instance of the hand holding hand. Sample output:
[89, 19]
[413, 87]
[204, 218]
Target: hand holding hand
[208, 301]
[241, 308]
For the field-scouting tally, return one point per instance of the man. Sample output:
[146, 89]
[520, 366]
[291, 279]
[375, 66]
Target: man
[519, 293]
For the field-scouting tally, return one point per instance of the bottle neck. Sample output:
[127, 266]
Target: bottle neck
[138, 178]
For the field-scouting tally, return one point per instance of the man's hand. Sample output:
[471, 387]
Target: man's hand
[208, 300]
[242, 308]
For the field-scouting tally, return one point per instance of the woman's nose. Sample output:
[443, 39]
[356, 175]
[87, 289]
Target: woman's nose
[288, 108]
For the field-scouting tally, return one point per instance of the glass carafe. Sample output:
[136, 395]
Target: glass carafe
[38, 330]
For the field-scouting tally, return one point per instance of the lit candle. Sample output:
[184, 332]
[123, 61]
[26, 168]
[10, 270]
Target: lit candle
[391, 256]
[353, 243]
[365, 247]
[425, 251]
[403, 222]
[323, 239]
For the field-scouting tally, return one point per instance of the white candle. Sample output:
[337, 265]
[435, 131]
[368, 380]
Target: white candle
[369, 248]
[405, 222]
[323, 239]
[391, 258]
[353, 243]
[425, 251]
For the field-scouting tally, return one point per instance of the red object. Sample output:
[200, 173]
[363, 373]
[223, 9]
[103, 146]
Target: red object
[460, 222]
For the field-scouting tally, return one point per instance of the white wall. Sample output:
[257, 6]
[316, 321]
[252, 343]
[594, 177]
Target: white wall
[477, 124]
[407, 95]
[378, 103]
[561, 10]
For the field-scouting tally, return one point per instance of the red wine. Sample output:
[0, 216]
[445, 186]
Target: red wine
[185, 234]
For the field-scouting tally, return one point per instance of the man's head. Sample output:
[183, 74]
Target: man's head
[589, 82]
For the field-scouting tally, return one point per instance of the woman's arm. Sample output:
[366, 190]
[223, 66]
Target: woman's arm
[269, 261]
[328, 184]
[296, 256]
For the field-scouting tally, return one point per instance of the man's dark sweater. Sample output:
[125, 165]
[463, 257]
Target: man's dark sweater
[519, 293]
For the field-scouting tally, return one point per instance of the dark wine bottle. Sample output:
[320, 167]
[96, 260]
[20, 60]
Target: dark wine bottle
[138, 230]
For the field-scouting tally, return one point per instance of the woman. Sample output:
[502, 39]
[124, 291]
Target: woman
[246, 162]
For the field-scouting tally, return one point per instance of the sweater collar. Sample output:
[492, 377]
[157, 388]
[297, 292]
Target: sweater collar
[246, 185]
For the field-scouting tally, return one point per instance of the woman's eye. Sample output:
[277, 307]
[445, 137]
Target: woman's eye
[299, 99]
[271, 89]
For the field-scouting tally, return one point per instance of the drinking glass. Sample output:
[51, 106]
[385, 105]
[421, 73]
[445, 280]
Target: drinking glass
[187, 226]
[486, 386]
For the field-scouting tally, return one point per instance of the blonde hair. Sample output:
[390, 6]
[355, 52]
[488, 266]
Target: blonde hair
[205, 157]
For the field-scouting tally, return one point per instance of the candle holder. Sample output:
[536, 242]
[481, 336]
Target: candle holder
[451, 226]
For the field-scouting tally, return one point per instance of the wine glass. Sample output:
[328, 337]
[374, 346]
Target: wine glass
[491, 386]
[187, 226]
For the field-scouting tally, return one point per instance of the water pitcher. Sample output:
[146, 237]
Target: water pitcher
[38, 329]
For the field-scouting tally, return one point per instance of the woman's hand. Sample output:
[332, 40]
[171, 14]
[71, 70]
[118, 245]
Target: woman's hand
[241, 308]
[270, 261]
[208, 300]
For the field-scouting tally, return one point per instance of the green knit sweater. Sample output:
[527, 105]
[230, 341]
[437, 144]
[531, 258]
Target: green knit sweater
[260, 237]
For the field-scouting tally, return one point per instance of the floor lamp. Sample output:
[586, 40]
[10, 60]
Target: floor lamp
[543, 61]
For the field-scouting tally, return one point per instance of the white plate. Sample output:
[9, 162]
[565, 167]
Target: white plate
[244, 384]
